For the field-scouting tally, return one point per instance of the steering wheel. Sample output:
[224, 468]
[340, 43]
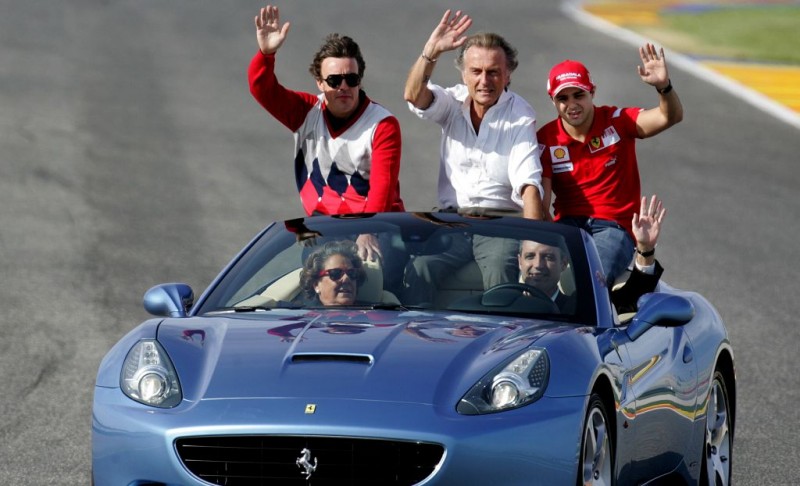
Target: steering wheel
[493, 297]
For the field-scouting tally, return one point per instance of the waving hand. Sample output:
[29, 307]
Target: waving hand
[269, 32]
[647, 222]
[449, 34]
[653, 70]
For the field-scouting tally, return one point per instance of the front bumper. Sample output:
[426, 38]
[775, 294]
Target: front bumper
[537, 444]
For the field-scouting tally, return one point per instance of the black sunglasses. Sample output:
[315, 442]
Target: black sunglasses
[334, 80]
[336, 274]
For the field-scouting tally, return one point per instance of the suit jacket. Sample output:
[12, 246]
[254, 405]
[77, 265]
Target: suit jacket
[626, 297]
[566, 303]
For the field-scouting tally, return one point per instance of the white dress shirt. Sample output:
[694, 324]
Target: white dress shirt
[487, 169]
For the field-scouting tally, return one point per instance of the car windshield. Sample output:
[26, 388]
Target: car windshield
[427, 262]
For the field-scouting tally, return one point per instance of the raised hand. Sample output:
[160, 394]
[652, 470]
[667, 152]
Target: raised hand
[368, 248]
[448, 35]
[647, 223]
[653, 70]
[269, 32]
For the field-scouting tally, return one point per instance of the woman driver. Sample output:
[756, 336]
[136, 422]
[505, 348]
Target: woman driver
[333, 273]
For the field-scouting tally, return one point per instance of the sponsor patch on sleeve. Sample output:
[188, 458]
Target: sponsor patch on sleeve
[559, 153]
[559, 156]
[562, 167]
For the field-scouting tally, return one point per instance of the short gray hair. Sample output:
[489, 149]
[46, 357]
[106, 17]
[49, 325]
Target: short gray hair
[488, 40]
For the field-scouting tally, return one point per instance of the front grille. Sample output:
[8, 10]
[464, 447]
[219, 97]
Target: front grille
[272, 460]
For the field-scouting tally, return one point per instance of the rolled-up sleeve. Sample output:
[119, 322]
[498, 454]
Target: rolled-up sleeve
[524, 164]
[444, 102]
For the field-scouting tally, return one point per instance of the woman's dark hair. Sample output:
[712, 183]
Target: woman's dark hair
[336, 45]
[315, 263]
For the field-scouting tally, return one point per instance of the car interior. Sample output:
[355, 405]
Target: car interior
[287, 289]
[451, 289]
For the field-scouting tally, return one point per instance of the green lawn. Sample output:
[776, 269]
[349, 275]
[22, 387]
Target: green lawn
[768, 33]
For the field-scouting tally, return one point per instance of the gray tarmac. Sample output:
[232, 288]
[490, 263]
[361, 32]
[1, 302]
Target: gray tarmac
[131, 153]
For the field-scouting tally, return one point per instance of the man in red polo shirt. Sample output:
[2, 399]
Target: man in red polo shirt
[588, 154]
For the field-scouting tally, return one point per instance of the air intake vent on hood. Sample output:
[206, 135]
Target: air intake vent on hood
[353, 358]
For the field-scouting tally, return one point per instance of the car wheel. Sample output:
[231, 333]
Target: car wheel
[597, 446]
[717, 469]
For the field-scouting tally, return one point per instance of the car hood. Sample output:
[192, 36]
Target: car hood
[342, 354]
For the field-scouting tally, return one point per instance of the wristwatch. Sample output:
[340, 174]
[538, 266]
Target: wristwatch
[666, 89]
[646, 253]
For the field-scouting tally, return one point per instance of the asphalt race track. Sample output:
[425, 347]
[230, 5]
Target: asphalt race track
[131, 153]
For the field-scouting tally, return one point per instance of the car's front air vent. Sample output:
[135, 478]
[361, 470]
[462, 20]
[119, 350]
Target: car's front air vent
[297, 460]
[352, 358]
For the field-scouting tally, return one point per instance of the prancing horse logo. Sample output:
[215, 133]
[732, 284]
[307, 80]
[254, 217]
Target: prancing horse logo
[304, 462]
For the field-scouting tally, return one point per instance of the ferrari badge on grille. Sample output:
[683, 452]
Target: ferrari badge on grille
[304, 462]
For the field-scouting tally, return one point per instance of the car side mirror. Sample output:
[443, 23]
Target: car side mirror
[169, 300]
[660, 309]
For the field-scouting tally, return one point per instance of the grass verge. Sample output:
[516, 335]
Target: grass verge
[768, 33]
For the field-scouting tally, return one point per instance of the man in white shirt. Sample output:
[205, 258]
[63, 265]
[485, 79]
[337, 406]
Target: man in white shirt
[489, 162]
[488, 156]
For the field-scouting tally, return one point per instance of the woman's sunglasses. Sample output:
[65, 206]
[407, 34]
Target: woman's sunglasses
[336, 274]
[334, 80]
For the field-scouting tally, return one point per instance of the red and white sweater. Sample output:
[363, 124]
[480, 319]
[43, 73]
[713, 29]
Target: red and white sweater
[352, 169]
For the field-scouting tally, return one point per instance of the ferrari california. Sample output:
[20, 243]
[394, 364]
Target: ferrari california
[370, 350]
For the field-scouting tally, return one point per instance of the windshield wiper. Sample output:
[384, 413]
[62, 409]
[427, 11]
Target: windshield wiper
[251, 308]
[244, 308]
[281, 304]
[388, 306]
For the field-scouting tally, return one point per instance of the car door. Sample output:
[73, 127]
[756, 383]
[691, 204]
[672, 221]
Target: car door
[660, 389]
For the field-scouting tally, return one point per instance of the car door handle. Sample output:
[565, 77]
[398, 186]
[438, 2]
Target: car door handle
[688, 354]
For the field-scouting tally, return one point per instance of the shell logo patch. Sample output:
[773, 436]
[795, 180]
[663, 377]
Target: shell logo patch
[559, 158]
[559, 153]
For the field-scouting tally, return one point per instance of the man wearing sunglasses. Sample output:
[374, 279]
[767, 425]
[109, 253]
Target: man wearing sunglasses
[347, 148]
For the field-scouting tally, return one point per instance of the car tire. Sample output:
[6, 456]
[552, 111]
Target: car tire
[597, 446]
[718, 441]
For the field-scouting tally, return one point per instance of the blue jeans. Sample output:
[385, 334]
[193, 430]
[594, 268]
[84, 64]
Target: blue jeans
[614, 244]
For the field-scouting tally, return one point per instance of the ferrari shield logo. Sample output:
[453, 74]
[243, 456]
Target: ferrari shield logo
[311, 408]
[609, 138]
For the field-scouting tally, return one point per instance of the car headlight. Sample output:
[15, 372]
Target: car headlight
[510, 385]
[149, 377]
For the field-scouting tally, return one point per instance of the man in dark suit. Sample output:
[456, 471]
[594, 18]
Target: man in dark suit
[541, 265]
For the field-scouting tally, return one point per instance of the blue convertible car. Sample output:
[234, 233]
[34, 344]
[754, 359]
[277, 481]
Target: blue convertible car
[304, 363]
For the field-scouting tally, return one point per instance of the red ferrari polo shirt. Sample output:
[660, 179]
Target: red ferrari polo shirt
[598, 178]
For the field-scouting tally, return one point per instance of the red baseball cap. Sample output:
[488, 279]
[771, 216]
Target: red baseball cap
[569, 74]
